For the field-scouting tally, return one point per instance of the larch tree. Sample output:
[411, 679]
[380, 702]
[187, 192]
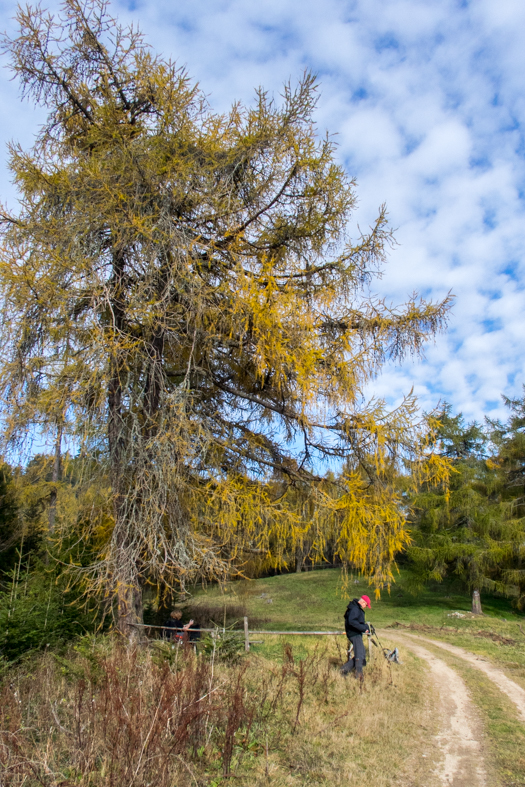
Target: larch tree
[182, 301]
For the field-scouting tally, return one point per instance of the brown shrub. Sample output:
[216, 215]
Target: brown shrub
[122, 718]
[128, 722]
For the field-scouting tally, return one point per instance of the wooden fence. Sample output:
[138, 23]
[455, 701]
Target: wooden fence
[248, 632]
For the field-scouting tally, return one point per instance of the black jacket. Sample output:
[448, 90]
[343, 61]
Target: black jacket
[355, 619]
[173, 628]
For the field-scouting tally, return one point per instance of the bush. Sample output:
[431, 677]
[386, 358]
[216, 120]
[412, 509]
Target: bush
[38, 612]
[222, 644]
[122, 719]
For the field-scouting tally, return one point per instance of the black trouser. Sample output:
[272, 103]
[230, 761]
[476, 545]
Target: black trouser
[359, 659]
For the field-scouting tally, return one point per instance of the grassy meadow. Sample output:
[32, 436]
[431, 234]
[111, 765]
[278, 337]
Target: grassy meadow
[101, 715]
[316, 600]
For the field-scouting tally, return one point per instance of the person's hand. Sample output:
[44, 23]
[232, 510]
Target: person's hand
[188, 625]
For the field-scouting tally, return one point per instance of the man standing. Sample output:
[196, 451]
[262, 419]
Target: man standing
[355, 627]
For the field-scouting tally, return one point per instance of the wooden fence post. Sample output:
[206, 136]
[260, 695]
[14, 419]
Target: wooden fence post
[246, 636]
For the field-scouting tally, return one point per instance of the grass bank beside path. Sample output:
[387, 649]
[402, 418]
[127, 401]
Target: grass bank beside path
[379, 736]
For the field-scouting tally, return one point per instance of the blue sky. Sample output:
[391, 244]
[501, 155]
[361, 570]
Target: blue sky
[426, 99]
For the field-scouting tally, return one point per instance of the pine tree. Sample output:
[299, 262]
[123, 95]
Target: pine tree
[509, 466]
[460, 527]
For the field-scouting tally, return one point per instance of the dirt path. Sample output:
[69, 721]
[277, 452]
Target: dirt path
[513, 691]
[459, 737]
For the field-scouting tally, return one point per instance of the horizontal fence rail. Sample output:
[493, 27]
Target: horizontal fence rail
[247, 631]
[170, 628]
[239, 631]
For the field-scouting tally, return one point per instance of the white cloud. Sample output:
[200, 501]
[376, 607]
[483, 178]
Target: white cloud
[427, 101]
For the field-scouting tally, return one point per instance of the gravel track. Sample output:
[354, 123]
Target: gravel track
[513, 691]
[460, 737]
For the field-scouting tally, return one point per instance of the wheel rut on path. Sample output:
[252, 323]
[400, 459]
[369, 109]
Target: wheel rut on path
[462, 763]
[513, 691]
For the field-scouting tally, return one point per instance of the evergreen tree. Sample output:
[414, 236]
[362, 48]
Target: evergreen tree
[458, 526]
[9, 520]
[509, 464]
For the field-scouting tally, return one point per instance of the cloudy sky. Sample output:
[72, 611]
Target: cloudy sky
[427, 102]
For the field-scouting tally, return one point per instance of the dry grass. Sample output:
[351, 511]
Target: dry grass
[107, 717]
[374, 734]
[122, 717]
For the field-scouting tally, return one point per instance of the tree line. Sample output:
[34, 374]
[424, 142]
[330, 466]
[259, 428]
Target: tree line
[469, 525]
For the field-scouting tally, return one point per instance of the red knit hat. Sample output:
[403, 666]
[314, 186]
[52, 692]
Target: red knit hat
[368, 604]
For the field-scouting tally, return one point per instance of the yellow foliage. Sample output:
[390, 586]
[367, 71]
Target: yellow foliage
[187, 304]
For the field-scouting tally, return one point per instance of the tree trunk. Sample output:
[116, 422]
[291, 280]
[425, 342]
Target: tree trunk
[301, 553]
[125, 577]
[130, 612]
[476, 603]
[56, 477]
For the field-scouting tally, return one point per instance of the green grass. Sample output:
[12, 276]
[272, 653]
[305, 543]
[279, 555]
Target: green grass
[313, 601]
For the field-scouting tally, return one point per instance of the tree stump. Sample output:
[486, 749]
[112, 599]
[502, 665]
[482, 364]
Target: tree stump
[476, 603]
